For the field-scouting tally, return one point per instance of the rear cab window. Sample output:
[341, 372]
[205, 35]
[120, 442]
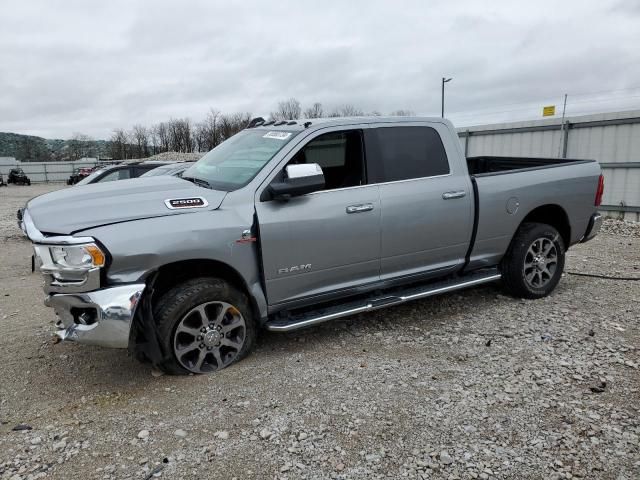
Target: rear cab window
[397, 153]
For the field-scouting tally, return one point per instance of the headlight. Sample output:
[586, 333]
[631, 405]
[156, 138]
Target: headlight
[77, 256]
[69, 258]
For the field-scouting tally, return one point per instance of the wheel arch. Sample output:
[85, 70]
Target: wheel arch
[551, 214]
[171, 274]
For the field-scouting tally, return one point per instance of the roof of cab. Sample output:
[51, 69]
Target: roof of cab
[304, 123]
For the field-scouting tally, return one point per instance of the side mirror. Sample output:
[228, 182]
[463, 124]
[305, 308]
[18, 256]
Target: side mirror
[300, 179]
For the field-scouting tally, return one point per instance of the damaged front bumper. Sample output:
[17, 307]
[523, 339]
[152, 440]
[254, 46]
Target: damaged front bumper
[101, 317]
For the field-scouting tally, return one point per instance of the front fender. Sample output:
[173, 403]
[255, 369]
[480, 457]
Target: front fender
[140, 247]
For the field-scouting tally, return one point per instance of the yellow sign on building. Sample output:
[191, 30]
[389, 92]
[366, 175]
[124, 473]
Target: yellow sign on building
[549, 111]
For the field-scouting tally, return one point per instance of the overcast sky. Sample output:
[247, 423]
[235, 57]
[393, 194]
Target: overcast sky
[79, 66]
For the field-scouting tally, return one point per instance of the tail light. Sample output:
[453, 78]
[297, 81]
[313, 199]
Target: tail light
[600, 191]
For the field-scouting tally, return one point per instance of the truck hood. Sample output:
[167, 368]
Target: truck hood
[77, 208]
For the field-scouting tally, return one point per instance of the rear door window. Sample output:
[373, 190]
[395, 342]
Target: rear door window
[403, 153]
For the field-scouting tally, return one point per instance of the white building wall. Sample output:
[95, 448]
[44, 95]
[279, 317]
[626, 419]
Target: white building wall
[614, 143]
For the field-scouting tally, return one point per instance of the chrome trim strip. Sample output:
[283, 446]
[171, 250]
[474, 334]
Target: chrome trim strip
[37, 237]
[390, 301]
[451, 288]
[319, 192]
[595, 222]
[315, 321]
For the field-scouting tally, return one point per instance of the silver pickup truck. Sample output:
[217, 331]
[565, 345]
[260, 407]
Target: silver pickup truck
[290, 224]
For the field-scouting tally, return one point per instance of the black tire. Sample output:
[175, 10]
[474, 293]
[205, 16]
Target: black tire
[176, 303]
[525, 273]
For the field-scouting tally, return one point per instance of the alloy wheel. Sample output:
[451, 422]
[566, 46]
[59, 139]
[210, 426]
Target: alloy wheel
[209, 337]
[540, 262]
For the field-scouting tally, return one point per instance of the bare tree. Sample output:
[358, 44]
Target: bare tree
[119, 144]
[81, 145]
[232, 124]
[211, 132]
[346, 110]
[154, 140]
[403, 113]
[180, 135]
[199, 136]
[287, 110]
[315, 111]
[349, 110]
[161, 132]
[140, 137]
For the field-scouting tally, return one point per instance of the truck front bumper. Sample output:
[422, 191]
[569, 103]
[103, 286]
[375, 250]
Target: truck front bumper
[595, 222]
[101, 317]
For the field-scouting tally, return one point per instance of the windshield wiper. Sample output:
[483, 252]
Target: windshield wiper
[198, 181]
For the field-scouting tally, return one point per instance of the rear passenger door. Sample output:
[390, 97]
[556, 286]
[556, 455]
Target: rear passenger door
[427, 203]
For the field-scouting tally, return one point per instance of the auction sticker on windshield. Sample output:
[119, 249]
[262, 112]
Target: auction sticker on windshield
[277, 135]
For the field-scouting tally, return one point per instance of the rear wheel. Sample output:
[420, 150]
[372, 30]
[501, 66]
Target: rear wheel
[204, 325]
[534, 262]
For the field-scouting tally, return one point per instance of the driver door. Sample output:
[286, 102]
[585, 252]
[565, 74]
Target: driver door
[326, 243]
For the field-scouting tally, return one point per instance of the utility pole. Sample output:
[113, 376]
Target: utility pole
[444, 80]
[562, 133]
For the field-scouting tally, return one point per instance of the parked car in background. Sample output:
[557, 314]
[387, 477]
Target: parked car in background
[122, 171]
[171, 169]
[18, 177]
[80, 174]
[287, 225]
[2, 184]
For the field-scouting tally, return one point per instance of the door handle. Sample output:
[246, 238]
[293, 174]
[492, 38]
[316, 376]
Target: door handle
[364, 207]
[451, 195]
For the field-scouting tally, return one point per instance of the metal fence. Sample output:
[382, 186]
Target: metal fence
[611, 138]
[46, 171]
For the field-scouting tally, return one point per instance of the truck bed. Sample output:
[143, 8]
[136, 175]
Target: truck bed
[489, 165]
[502, 201]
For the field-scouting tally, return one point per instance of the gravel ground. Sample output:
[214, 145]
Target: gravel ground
[467, 385]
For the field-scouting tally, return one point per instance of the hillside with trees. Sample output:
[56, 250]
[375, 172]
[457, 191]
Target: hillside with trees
[174, 135]
[28, 148]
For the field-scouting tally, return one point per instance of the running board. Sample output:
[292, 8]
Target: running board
[310, 318]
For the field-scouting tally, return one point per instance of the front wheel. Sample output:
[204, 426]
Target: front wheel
[204, 325]
[534, 262]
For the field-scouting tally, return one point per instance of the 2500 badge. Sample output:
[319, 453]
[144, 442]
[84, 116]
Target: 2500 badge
[192, 202]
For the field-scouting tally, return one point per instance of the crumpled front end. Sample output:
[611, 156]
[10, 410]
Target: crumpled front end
[102, 317]
[88, 311]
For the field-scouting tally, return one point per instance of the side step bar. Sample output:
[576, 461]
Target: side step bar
[310, 318]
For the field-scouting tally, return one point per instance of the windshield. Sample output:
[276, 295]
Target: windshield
[88, 178]
[234, 163]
